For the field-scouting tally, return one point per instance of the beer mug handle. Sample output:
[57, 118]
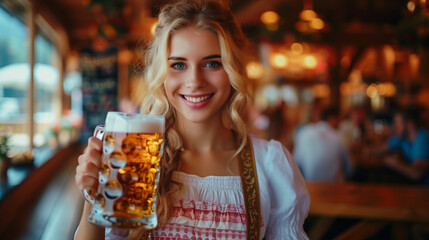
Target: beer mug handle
[98, 133]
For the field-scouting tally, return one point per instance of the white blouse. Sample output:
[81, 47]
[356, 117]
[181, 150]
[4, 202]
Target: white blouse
[213, 207]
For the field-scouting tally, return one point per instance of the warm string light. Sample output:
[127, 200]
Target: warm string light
[294, 59]
[310, 62]
[423, 4]
[309, 20]
[271, 20]
[269, 17]
[307, 15]
[296, 48]
[411, 6]
[254, 70]
[279, 60]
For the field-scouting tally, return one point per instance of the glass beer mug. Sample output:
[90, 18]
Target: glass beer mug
[128, 178]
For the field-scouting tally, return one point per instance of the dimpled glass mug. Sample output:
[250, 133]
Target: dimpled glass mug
[128, 178]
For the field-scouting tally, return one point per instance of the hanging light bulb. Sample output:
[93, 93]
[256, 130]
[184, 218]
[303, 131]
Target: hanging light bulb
[279, 60]
[254, 70]
[309, 20]
[271, 20]
[310, 62]
[269, 17]
[296, 48]
[317, 24]
[307, 15]
[411, 6]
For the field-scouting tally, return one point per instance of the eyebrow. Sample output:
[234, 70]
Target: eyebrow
[205, 58]
[212, 56]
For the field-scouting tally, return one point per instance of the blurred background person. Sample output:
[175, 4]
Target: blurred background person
[408, 147]
[353, 131]
[277, 122]
[352, 127]
[320, 152]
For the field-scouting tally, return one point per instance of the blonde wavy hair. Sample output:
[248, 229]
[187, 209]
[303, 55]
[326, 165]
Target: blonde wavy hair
[208, 15]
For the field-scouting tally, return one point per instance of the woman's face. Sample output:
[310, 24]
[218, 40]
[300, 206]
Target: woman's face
[196, 84]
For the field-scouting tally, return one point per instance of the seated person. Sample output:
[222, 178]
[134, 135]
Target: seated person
[409, 146]
[320, 152]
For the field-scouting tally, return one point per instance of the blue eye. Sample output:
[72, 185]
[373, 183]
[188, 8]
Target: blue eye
[213, 64]
[178, 65]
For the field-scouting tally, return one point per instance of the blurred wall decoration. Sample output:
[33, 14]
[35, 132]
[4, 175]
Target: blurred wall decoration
[99, 87]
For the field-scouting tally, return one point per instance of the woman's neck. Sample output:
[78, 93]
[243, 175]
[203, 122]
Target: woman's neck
[205, 137]
[208, 149]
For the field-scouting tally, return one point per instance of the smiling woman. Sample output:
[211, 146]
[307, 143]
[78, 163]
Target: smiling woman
[196, 80]
[215, 182]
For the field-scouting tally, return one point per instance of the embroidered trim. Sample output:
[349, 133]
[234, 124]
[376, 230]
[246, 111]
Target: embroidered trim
[210, 206]
[249, 181]
[210, 216]
[178, 231]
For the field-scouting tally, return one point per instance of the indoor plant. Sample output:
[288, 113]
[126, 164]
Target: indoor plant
[4, 150]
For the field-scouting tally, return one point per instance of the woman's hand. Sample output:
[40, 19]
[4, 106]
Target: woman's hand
[87, 178]
[89, 164]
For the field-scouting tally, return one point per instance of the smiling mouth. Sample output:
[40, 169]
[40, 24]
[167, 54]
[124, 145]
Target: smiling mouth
[197, 99]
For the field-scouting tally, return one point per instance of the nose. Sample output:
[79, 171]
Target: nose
[195, 79]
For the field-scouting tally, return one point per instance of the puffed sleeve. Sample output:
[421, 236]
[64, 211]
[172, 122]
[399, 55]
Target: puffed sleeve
[289, 198]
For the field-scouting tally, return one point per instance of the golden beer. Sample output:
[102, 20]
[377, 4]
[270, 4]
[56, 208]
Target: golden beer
[128, 178]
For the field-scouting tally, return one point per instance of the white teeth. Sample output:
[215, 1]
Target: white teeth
[197, 100]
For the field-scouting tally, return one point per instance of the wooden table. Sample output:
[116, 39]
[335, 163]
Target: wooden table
[369, 201]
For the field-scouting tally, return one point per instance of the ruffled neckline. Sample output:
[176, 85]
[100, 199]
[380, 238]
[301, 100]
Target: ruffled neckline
[214, 182]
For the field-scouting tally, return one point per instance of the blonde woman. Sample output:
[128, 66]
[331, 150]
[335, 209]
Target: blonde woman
[195, 76]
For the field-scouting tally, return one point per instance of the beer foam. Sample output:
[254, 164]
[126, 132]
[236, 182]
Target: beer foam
[134, 123]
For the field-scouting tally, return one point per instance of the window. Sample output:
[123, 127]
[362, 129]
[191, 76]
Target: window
[15, 78]
[46, 89]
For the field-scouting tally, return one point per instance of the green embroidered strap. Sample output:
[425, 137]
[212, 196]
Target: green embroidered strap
[249, 182]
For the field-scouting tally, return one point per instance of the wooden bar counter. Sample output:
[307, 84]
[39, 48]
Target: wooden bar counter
[370, 201]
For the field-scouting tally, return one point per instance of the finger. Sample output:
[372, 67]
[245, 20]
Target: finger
[95, 143]
[88, 169]
[91, 156]
[94, 157]
[86, 182]
[86, 177]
